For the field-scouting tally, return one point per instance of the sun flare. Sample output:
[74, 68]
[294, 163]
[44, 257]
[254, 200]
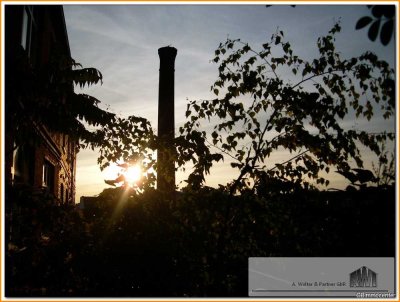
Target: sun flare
[133, 174]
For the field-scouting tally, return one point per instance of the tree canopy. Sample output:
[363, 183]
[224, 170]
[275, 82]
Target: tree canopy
[272, 100]
[44, 95]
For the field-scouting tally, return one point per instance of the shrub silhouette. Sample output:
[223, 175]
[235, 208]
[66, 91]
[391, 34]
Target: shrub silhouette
[144, 245]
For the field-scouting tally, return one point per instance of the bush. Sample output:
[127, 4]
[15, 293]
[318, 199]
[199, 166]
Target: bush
[196, 245]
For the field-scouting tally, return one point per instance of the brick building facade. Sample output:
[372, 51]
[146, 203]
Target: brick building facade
[47, 159]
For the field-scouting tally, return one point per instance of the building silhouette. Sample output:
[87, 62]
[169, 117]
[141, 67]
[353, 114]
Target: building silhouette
[35, 154]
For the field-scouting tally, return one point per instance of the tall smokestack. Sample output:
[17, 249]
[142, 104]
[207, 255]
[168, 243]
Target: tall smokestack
[166, 120]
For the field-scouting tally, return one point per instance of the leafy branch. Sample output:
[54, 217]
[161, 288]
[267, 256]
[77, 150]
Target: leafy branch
[255, 106]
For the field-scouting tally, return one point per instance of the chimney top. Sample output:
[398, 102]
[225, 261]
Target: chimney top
[168, 51]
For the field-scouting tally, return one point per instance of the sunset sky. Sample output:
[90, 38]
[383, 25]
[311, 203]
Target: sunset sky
[122, 42]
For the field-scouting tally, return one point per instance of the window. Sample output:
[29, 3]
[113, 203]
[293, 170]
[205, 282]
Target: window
[48, 176]
[26, 29]
[17, 167]
[28, 34]
[22, 169]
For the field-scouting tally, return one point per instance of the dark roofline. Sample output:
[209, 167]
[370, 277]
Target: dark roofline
[64, 28]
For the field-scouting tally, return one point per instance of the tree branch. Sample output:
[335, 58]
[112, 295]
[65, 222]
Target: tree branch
[314, 76]
[289, 160]
[221, 150]
[259, 55]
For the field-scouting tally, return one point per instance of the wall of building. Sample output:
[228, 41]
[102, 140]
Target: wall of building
[49, 162]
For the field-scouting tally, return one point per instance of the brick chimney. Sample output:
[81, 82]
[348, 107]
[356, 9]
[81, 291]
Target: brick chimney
[166, 120]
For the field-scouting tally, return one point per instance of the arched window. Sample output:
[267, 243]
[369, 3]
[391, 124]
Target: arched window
[23, 165]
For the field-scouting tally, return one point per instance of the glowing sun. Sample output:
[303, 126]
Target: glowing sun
[132, 174]
[118, 173]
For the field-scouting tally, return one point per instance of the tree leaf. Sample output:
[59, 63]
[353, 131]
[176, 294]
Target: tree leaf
[389, 11]
[364, 21]
[378, 10]
[374, 30]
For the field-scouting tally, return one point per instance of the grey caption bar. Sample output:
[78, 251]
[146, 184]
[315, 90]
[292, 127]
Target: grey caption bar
[322, 277]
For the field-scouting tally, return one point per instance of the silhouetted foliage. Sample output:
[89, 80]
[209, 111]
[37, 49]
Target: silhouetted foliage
[44, 95]
[42, 244]
[274, 100]
[130, 141]
[380, 14]
[124, 244]
[385, 170]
